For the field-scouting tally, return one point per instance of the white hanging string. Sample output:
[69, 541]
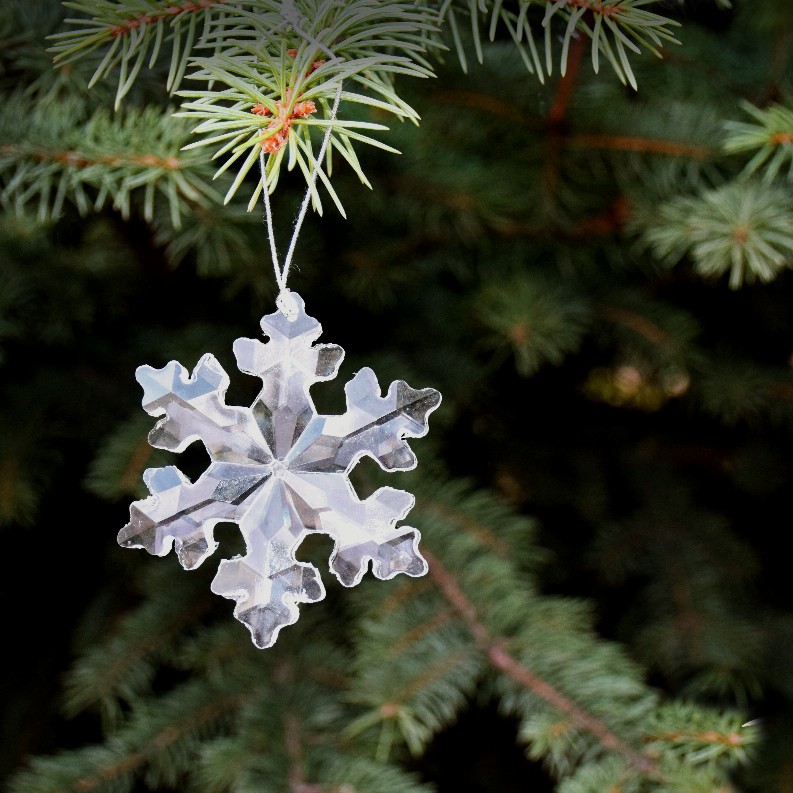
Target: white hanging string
[291, 15]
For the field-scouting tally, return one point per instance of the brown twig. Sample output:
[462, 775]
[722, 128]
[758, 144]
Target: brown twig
[565, 86]
[556, 118]
[474, 528]
[781, 390]
[294, 749]
[639, 144]
[159, 743]
[638, 324]
[502, 660]
[172, 11]
[484, 102]
[432, 673]
[150, 643]
[75, 159]
[732, 739]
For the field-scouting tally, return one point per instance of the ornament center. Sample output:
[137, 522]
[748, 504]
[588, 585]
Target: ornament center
[279, 468]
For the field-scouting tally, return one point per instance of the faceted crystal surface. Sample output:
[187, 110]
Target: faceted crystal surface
[280, 471]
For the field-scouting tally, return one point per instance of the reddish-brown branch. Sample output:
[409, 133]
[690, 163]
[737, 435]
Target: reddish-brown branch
[782, 390]
[9, 475]
[75, 159]
[152, 641]
[556, 117]
[564, 88]
[294, 749]
[484, 102]
[430, 675]
[687, 618]
[477, 530]
[643, 145]
[780, 55]
[597, 7]
[637, 323]
[501, 659]
[160, 742]
[405, 592]
[609, 221]
[126, 765]
[731, 739]
[169, 12]
[430, 625]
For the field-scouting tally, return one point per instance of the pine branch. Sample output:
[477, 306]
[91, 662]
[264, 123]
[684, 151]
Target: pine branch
[496, 654]
[743, 228]
[639, 144]
[702, 738]
[562, 694]
[566, 85]
[131, 32]
[770, 138]
[613, 26]
[737, 389]
[627, 22]
[276, 70]
[273, 89]
[542, 322]
[698, 618]
[105, 161]
[187, 712]
[121, 670]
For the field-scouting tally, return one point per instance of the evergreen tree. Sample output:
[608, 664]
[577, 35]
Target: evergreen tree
[574, 218]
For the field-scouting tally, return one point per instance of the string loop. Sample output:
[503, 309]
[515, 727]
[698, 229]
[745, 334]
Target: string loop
[285, 301]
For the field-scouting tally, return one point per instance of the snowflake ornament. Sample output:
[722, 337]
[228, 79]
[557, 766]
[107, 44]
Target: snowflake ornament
[280, 471]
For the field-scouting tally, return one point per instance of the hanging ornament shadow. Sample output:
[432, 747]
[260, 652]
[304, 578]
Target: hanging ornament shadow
[280, 471]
